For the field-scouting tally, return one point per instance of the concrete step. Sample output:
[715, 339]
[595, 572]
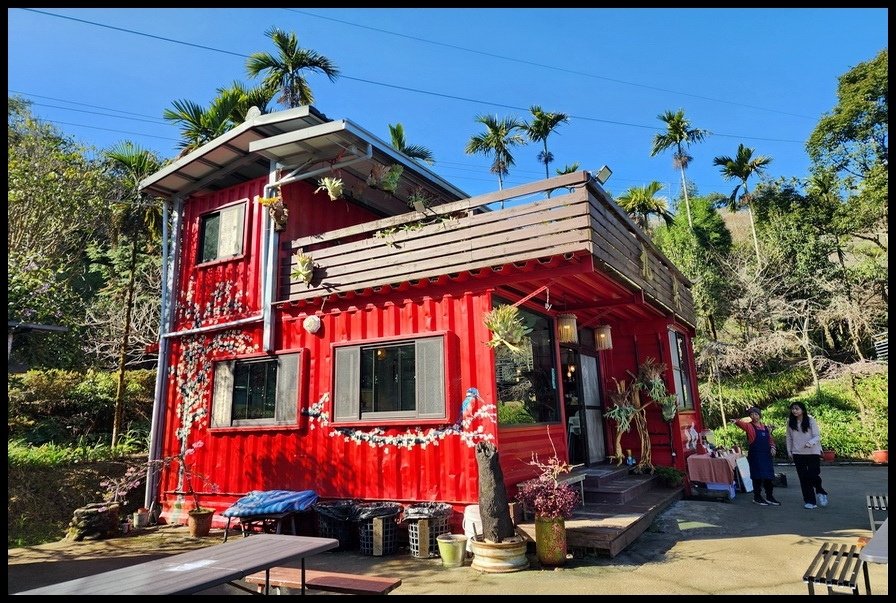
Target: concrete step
[598, 475]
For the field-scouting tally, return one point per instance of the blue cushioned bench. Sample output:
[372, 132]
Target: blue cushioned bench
[268, 509]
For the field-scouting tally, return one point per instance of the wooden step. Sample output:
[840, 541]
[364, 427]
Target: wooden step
[620, 491]
[608, 528]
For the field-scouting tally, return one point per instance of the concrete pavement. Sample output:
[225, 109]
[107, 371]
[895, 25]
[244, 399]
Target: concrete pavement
[694, 547]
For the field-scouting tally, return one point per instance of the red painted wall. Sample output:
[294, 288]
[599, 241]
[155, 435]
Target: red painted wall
[310, 455]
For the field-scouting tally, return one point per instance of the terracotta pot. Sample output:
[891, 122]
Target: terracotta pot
[550, 540]
[827, 455]
[200, 522]
[881, 457]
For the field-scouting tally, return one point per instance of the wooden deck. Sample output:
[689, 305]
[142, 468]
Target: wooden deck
[628, 505]
[577, 220]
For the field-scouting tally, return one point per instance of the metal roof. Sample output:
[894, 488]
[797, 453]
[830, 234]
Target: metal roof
[295, 138]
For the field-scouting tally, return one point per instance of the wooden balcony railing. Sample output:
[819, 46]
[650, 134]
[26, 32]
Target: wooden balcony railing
[472, 234]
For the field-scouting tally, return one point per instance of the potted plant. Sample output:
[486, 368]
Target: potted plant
[552, 501]
[199, 518]
[507, 327]
[499, 549]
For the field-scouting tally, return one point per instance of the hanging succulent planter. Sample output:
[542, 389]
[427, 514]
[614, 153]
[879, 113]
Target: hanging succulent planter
[507, 327]
[303, 270]
[385, 178]
[276, 209]
[333, 186]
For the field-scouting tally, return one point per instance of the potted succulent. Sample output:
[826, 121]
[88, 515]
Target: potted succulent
[552, 501]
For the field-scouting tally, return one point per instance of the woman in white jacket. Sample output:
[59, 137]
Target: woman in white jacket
[804, 447]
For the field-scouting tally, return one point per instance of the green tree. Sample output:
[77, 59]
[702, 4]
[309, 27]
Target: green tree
[500, 136]
[679, 135]
[199, 125]
[56, 202]
[852, 142]
[640, 202]
[133, 218]
[741, 167]
[283, 71]
[543, 125]
[259, 97]
[853, 137]
[414, 151]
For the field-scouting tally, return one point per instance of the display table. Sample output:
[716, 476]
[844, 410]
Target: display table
[717, 473]
[718, 470]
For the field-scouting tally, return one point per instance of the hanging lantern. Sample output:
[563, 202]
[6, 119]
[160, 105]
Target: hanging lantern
[567, 328]
[603, 339]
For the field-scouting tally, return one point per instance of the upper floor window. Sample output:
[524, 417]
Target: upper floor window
[395, 380]
[681, 370]
[256, 391]
[221, 233]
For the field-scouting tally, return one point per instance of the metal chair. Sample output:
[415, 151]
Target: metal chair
[877, 503]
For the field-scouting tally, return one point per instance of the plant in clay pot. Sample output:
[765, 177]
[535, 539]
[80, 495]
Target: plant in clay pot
[552, 501]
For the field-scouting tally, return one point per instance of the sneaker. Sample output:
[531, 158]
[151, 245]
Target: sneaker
[809, 506]
[771, 500]
[823, 500]
[760, 501]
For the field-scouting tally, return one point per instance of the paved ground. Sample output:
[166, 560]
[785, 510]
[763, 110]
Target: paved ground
[694, 547]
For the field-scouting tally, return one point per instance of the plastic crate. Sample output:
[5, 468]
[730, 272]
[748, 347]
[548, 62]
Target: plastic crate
[433, 527]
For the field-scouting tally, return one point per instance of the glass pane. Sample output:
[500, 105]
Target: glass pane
[209, 237]
[254, 390]
[527, 382]
[388, 379]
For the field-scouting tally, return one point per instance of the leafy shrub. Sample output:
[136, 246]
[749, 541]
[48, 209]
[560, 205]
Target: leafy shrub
[68, 407]
[669, 476]
[513, 414]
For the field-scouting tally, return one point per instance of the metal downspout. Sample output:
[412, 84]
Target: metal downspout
[272, 240]
[165, 322]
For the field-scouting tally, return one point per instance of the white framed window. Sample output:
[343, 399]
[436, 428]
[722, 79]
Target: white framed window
[256, 391]
[681, 370]
[221, 233]
[390, 380]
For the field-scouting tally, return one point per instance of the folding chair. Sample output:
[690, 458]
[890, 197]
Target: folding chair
[877, 503]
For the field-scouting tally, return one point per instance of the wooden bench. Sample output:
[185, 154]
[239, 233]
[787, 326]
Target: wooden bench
[837, 565]
[876, 504]
[335, 582]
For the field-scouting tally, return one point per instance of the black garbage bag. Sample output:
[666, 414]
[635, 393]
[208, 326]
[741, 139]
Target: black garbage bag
[427, 510]
[367, 511]
[342, 510]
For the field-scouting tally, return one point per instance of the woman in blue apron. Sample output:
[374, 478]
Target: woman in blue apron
[760, 455]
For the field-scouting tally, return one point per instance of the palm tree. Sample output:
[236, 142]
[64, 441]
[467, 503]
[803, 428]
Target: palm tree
[741, 167]
[259, 97]
[134, 164]
[641, 201]
[497, 140]
[198, 125]
[284, 71]
[414, 151]
[679, 134]
[568, 169]
[540, 128]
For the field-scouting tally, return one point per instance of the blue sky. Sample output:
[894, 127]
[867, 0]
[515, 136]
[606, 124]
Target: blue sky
[762, 77]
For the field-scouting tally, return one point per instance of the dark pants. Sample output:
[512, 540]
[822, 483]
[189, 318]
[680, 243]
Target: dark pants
[808, 469]
[764, 484]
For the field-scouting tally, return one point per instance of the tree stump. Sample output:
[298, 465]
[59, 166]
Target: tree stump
[493, 509]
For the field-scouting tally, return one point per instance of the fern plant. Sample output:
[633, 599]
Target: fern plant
[303, 270]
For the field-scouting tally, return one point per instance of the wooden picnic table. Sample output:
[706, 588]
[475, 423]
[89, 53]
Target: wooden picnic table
[196, 570]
